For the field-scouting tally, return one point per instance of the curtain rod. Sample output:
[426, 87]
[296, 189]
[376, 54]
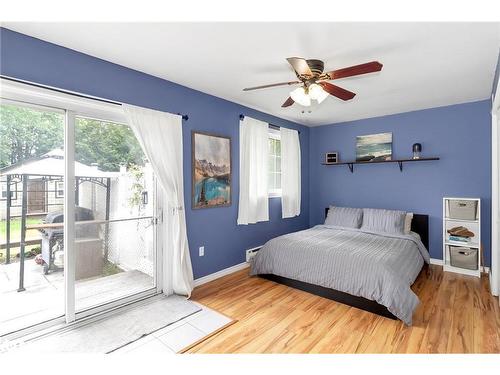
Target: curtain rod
[184, 117]
[242, 116]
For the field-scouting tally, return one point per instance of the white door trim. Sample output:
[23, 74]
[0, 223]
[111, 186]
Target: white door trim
[495, 193]
[69, 216]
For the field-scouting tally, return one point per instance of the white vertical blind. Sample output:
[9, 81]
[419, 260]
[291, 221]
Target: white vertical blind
[254, 157]
[290, 173]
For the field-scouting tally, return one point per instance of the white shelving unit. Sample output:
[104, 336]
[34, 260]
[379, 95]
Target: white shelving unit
[472, 225]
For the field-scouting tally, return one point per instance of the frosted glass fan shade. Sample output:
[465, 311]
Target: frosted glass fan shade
[300, 96]
[316, 92]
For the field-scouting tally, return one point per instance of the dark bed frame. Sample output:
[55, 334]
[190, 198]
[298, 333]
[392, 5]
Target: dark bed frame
[419, 224]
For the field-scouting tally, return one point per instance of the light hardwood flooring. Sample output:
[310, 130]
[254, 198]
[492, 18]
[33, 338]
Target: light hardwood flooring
[457, 315]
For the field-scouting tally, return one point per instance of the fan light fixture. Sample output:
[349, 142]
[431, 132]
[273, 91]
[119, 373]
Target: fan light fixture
[303, 95]
[313, 79]
[300, 96]
[316, 92]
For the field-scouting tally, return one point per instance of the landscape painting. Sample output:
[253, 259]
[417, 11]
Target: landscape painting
[374, 147]
[211, 170]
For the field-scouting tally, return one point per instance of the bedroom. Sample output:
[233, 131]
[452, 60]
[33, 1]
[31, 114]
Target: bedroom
[347, 208]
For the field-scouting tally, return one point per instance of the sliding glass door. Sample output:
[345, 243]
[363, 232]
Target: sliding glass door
[114, 215]
[31, 228]
[78, 210]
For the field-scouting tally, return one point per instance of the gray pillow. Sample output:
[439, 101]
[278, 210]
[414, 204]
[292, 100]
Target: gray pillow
[344, 217]
[388, 221]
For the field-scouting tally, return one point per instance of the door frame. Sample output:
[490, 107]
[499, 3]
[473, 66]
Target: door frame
[43, 206]
[495, 192]
[78, 105]
[69, 216]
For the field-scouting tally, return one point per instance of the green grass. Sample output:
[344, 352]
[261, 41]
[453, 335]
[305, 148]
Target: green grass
[15, 236]
[15, 228]
[110, 269]
[30, 251]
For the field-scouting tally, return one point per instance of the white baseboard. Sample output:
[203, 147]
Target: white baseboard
[218, 274]
[439, 262]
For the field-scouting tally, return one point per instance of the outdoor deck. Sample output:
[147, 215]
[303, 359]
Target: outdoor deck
[43, 298]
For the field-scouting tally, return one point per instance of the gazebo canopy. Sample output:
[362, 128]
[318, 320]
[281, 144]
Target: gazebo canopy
[52, 164]
[49, 165]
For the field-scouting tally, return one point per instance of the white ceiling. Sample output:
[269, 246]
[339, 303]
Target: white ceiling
[425, 64]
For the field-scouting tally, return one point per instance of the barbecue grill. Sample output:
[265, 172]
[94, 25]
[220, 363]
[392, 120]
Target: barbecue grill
[53, 238]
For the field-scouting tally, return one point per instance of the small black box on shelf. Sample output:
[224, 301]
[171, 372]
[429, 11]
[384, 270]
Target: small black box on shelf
[331, 157]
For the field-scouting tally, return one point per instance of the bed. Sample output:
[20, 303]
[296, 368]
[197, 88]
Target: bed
[368, 270]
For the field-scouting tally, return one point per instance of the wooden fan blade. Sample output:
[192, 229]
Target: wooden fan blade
[300, 66]
[337, 91]
[271, 85]
[288, 102]
[356, 70]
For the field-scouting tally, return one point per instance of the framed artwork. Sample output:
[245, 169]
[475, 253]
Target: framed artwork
[211, 170]
[374, 147]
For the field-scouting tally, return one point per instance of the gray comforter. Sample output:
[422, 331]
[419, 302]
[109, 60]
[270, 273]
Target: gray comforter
[377, 266]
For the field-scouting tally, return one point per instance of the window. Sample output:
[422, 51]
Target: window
[13, 191]
[59, 189]
[274, 172]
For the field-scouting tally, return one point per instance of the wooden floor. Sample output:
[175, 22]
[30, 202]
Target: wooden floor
[457, 315]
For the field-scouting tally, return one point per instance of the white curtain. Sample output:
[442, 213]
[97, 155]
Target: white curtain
[290, 173]
[160, 136]
[254, 155]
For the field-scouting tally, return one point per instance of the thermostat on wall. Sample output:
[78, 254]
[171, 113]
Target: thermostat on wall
[331, 157]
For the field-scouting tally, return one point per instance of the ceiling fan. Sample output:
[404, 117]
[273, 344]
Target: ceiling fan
[313, 81]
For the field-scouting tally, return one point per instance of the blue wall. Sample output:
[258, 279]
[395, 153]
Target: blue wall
[460, 135]
[35, 60]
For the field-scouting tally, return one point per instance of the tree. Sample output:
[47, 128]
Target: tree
[26, 133]
[107, 144]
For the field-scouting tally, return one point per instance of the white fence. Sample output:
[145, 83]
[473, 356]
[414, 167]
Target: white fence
[130, 243]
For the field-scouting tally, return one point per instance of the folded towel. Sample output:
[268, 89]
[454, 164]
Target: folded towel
[460, 231]
[459, 239]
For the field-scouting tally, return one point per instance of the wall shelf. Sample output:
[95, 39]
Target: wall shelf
[400, 162]
[473, 224]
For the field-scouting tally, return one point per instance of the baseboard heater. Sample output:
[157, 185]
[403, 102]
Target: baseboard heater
[250, 253]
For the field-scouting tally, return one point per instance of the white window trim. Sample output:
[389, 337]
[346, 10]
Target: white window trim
[56, 189]
[274, 134]
[60, 102]
[274, 193]
[13, 193]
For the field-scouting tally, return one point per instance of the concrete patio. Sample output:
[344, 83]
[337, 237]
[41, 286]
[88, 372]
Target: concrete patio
[43, 298]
